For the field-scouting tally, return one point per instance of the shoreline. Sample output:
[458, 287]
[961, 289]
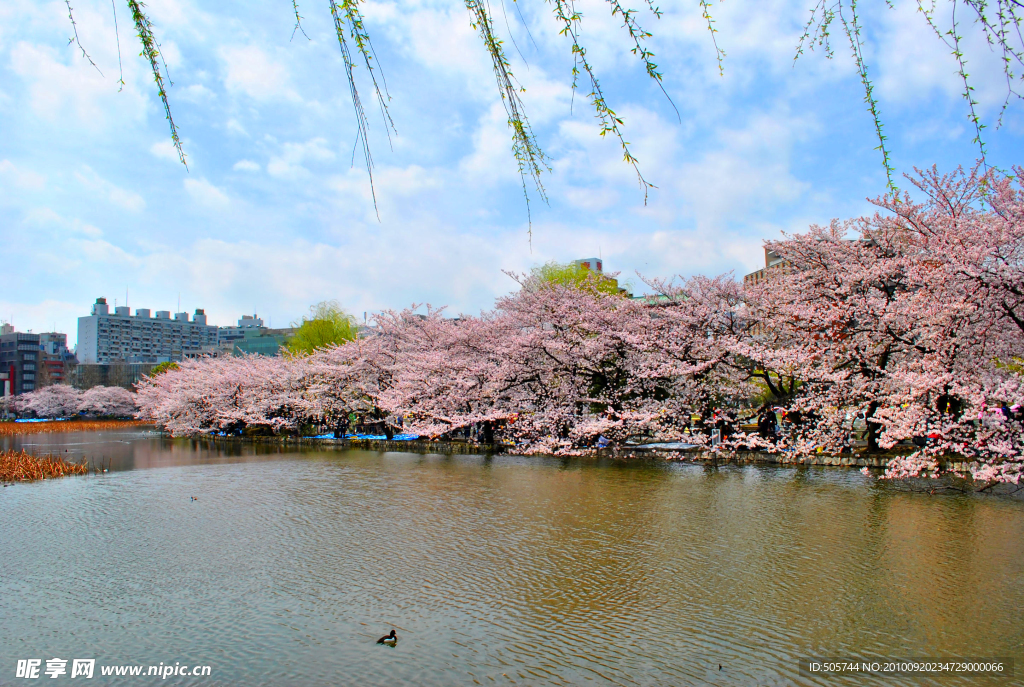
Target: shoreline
[695, 455]
[944, 484]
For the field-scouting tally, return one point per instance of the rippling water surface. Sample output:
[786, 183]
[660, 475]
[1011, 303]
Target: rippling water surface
[507, 570]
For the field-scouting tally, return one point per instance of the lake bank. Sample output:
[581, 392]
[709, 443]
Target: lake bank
[692, 455]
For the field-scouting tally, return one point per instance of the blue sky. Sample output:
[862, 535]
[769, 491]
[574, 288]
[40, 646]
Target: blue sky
[272, 216]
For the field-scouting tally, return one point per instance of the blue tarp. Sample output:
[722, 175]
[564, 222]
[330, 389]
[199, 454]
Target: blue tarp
[45, 419]
[377, 437]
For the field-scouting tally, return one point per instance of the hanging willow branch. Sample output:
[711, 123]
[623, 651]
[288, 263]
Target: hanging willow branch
[852, 27]
[74, 39]
[1000, 21]
[569, 20]
[530, 159]
[298, 21]
[952, 40]
[362, 126]
[152, 54]
[639, 35]
[1004, 34]
[816, 33]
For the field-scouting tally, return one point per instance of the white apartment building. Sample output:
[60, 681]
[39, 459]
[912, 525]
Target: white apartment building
[106, 338]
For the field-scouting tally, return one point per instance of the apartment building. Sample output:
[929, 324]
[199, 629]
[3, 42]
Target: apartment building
[19, 359]
[105, 337]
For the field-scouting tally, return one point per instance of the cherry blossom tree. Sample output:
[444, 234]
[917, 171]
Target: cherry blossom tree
[908, 323]
[57, 400]
[107, 401]
[229, 395]
[556, 365]
[906, 319]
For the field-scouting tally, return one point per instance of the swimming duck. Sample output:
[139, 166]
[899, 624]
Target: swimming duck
[389, 639]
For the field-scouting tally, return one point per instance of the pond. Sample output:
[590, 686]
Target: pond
[289, 564]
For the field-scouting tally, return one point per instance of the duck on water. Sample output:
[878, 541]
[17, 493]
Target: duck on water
[390, 639]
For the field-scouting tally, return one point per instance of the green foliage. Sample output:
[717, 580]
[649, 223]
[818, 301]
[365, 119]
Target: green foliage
[150, 50]
[163, 367]
[348, 18]
[1014, 365]
[569, 20]
[326, 325]
[530, 159]
[576, 276]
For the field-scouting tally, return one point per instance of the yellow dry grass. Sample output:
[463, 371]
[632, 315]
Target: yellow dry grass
[12, 428]
[19, 466]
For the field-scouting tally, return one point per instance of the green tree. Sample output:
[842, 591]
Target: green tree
[163, 367]
[326, 325]
[571, 274]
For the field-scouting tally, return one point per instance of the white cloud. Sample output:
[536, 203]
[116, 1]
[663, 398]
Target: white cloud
[250, 71]
[233, 126]
[41, 316]
[76, 91]
[206, 194]
[123, 198]
[491, 161]
[44, 217]
[97, 251]
[404, 181]
[195, 93]
[439, 37]
[246, 166]
[914, 64]
[21, 178]
[289, 163]
[165, 150]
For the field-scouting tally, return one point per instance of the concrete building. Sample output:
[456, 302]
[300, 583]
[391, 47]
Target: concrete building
[19, 358]
[597, 265]
[246, 324]
[54, 358]
[54, 343]
[263, 342]
[105, 337]
[125, 375]
[772, 261]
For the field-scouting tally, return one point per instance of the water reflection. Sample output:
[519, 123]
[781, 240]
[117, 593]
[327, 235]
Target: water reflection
[133, 449]
[287, 569]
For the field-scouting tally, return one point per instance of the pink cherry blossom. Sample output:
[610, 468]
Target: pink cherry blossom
[905, 327]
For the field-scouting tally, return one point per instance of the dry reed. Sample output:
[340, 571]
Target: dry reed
[19, 466]
[12, 428]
